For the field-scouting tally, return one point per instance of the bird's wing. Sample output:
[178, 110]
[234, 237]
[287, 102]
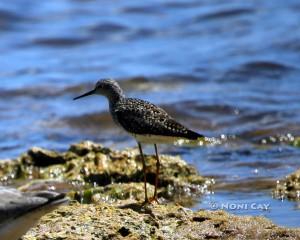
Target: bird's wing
[141, 117]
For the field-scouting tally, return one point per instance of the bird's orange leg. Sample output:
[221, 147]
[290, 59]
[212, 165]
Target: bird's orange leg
[144, 171]
[154, 199]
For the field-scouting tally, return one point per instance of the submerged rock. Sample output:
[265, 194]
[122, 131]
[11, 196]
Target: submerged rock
[104, 221]
[289, 187]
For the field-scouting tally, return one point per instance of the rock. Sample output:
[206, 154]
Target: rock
[109, 192]
[89, 164]
[289, 187]
[86, 147]
[41, 157]
[117, 194]
[296, 142]
[104, 221]
[9, 169]
[49, 185]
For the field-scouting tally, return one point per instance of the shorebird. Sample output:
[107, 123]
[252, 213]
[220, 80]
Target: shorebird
[147, 123]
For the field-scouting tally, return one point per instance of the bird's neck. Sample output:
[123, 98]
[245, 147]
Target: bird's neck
[113, 101]
[115, 97]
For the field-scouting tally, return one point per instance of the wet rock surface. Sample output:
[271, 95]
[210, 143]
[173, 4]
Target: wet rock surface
[289, 187]
[135, 221]
[107, 193]
[87, 164]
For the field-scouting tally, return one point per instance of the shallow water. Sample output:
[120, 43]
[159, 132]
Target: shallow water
[219, 67]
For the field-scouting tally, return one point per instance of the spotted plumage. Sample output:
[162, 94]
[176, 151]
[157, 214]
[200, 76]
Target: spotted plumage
[140, 117]
[146, 122]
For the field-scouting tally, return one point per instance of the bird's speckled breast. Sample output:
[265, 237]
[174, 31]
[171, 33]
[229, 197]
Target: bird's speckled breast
[113, 113]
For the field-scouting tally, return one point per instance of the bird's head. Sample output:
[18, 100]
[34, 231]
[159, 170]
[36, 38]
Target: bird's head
[106, 87]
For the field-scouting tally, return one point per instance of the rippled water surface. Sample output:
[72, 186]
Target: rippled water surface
[219, 67]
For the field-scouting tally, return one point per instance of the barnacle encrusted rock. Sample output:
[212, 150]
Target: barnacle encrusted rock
[105, 221]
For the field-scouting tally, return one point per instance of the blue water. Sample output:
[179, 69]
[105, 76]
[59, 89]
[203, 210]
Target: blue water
[219, 67]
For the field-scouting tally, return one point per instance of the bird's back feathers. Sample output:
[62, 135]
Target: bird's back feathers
[144, 118]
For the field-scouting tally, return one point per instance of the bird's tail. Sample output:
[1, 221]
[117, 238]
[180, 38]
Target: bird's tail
[191, 138]
[191, 135]
[200, 141]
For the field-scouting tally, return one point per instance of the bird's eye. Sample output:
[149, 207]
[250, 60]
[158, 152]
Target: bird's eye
[98, 85]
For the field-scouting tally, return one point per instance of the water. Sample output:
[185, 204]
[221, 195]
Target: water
[220, 67]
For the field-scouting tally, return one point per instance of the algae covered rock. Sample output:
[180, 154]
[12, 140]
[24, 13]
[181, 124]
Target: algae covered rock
[89, 164]
[43, 157]
[104, 221]
[296, 142]
[117, 193]
[289, 187]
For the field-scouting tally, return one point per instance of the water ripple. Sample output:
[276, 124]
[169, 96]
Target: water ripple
[223, 14]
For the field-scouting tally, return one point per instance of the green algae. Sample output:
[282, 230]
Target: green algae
[296, 142]
[117, 193]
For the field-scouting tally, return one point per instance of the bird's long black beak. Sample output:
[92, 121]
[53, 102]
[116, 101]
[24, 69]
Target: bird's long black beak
[85, 95]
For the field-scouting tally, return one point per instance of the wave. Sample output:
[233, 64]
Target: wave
[222, 14]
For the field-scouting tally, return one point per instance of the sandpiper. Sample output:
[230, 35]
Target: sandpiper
[147, 123]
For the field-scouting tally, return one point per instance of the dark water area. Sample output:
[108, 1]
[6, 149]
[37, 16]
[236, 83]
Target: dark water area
[226, 68]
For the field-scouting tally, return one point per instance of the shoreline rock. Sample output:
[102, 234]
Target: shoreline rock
[87, 164]
[289, 187]
[106, 187]
[104, 221]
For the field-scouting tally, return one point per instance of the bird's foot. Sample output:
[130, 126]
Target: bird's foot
[151, 201]
[154, 200]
